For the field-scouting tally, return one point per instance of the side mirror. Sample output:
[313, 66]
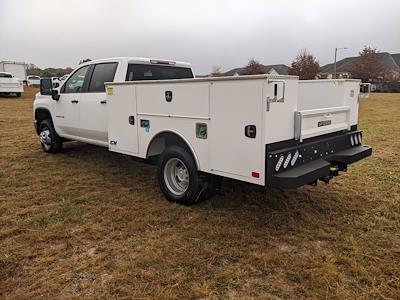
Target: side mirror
[46, 86]
[56, 85]
[55, 95]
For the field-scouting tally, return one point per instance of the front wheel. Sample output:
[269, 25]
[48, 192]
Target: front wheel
[49, 139]
[178, 177]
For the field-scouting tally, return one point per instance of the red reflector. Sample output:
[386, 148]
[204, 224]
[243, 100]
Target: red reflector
[255, 174]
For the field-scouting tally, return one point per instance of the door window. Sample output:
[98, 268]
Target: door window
[102, 73]
[75, 82]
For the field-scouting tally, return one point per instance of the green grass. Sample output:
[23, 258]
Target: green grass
[87, 223]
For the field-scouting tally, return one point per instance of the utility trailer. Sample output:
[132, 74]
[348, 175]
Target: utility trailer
[267, 130]
[17, 69]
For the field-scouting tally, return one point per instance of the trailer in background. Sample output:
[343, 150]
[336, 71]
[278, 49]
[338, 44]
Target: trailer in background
[17, 69]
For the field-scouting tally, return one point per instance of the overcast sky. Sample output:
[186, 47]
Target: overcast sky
[207, 33]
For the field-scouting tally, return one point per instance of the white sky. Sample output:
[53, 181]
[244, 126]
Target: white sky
[225, 33]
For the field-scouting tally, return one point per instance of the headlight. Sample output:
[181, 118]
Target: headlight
[279, 163]
[352, 140]
[287, 160]
[294, 158]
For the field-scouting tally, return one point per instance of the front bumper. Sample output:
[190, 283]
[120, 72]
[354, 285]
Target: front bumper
[318, 159]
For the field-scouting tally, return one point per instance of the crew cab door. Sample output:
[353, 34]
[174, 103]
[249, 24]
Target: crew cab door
[93, 103]
[66, 109]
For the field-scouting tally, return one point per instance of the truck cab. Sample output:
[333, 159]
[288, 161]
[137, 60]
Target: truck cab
[79, 109]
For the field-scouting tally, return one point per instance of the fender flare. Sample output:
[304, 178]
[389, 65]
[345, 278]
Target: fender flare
[180, 136]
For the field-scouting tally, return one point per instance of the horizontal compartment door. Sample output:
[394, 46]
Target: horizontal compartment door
[316, 122]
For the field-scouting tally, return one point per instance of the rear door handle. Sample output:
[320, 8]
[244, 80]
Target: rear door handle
[74, 101]
[103, 101]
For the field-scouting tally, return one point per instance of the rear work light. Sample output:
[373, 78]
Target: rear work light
[279, 163]
[355, 139]
[294, 158]
[162, 62]
[352, 140]
[286, 163]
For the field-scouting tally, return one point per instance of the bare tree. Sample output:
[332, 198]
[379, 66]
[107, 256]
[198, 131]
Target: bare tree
[305, 66]
[253, 67]
[369, 66]
[216, 71]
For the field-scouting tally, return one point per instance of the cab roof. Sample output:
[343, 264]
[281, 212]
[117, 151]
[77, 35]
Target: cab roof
[141, 60]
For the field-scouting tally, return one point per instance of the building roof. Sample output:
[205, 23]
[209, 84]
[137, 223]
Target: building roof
[281, 69]
[390, 61]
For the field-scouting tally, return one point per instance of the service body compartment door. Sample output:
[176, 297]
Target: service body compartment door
[316, 122]
[122, 119]
[236, 131]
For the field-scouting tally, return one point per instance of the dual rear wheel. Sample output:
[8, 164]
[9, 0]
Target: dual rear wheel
[179, 179]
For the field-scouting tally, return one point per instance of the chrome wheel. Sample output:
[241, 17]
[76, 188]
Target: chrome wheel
[45, 138]
[176, 176]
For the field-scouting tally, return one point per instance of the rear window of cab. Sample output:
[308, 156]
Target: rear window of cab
[156, 72]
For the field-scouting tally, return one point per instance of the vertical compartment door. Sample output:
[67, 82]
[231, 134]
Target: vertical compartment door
[236, 131]
[122, 119]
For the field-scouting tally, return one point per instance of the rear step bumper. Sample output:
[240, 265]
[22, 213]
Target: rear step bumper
[318, 160]
[323, 168]
[302, 175]
[351, 155]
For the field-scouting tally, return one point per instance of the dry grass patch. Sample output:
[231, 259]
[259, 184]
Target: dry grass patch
[87, 223]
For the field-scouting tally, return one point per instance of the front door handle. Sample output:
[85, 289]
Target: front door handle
[103, 101]
[74, 101]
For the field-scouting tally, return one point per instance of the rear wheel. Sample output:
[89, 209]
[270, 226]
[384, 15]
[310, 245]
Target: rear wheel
[18, 94]
[178, 177]
[49, 139]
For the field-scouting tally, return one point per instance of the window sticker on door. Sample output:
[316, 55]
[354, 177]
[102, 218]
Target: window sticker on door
[110, 90]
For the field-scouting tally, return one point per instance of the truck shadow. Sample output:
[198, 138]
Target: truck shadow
[237, 199]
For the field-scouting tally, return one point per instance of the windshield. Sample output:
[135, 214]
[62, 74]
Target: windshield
[156, 72]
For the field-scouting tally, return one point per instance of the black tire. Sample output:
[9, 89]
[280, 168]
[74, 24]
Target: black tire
[55, 143]
[18, 94]
[195, 189]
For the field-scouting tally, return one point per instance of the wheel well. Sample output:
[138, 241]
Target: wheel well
[165, 139]
[40, 115]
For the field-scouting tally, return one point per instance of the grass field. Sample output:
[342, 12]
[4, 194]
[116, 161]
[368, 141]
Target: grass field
[86, 223]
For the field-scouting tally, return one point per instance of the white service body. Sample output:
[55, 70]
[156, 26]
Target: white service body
[236, 127]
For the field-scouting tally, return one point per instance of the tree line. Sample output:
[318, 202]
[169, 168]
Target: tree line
[368, 67]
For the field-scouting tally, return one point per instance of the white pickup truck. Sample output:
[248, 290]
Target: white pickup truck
[10, 85]
[269, 130]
